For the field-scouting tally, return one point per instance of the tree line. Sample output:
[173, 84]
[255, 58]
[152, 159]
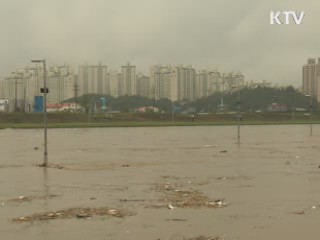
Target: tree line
[251, 100]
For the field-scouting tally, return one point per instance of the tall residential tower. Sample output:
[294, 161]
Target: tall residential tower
[311, 78]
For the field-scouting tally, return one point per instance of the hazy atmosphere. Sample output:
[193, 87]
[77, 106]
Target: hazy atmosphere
[159, 119]
[228, 35]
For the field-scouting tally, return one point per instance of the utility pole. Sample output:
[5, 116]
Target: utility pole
[15, 78]
[45, 91]
[238, 103]
[16, 95]
[172, 111]
[154, 97]
[76, 89]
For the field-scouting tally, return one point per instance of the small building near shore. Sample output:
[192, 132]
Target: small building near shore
[277, 107]
[6, 105]
[63, 107]
[147, 109]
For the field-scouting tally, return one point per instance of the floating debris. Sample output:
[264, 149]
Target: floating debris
[171, 177]
[299, 212]
[180, 237]
[57, 166]
[176, 198]
[31, 198]
[221, 178]
[74, 213]
[306, 210]
[177, 219]
[208, 145]
[204, 238]
[167, 187]
[113, 212]
[223, 151]
[84, 215]
[125, 165]
[132, 200]
[170, 206]
[218, 203]
[233, 178]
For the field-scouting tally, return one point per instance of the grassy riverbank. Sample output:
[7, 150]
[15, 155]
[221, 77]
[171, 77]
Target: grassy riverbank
[79, 120]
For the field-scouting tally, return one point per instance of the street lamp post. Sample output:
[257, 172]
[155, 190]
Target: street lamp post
[238, 109]
[310, 112]
[172, 111]
[45, 91]
[238, 113]
[293, 107]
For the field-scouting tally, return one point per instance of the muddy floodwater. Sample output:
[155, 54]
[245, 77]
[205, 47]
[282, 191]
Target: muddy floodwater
[168, 183]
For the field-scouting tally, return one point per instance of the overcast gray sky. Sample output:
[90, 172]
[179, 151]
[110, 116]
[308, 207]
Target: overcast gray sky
[223, 34]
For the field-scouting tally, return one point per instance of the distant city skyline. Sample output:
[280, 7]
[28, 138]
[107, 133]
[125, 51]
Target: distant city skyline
[228, 35]
[175, 82]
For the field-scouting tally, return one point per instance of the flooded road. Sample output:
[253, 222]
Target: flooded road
[270, 183]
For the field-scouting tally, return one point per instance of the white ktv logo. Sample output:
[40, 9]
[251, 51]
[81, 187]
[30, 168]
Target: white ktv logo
[286, 17]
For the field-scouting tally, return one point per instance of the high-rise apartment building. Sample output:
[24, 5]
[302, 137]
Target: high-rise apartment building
[3, 88]
[92, 79]
[185, 78]
[143, 86]
[127, 84]
[202, 83]
[311, 78]
[61, 83]
[24, 84]
[113, 82]
[174, 83]
[160, 82]
[233, 80]
[208, 82]
[18, 88]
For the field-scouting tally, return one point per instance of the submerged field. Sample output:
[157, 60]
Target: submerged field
[167, 183]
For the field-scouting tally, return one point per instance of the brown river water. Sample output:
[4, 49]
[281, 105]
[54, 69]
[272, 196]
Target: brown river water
[270, 183]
